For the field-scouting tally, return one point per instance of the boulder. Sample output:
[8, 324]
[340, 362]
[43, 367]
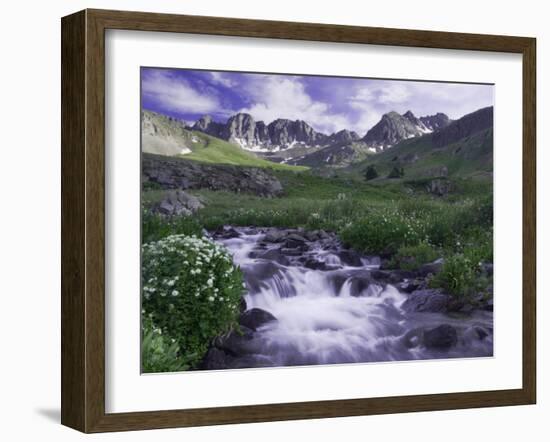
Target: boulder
[216, 359]
[442, 337]
[275, 235]
[178, 203]
[274, 255]
[431, 268]
[427, 300]
[349, 257]
[255, 318]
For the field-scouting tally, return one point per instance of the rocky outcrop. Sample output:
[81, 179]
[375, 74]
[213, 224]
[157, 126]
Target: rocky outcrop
[435, 122]
[427, 300]
[439, 186]
[393, 128]
[243, 130]
[256, 318]
[178, 203]
[467, 125]
[441, 337]
[177, 173]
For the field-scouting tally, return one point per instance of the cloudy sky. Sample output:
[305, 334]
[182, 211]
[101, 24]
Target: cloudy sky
[328, 104]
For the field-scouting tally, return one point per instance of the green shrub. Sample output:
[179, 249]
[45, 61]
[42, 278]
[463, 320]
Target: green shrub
[458, 276]
[371, 173]
[158, 352]
[155, 226]
[396, 173]
[191, 290]
[412, 257]
[383, 231]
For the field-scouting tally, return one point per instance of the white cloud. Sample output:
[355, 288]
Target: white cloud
[285, 97]
[394, 93]
[219, 78]
[175, 94]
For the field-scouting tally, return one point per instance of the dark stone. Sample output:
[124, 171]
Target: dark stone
[226, 232]
[255, 318]
[173, 172]
[291, 251]
[431, 268]
[236, 342]
[274, 255]
[358, 285]
[216, 359]
[409, 286]
[242, 305]
[393, 276]
[487, 268]
[413, 338]
[350, 258]
[442, 337]
[488, 305]
[427, 300]
[313, 264]
[275, 235]
[262, 271]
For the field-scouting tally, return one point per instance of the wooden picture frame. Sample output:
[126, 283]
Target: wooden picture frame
[83, 220]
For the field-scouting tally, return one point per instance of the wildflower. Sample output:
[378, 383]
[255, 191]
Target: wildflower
[175, 293]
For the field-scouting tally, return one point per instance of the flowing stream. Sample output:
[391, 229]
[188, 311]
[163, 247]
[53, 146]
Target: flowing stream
[329, 311]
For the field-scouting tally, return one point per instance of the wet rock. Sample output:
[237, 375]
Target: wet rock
[313, 264]
[226, 232]
[242, 305]
[475, 333]
[274, 255]
[487, 268]
[350, 258]
[236, 342]
[413, 338]
[294, 240]
[427, 300]
[358, 286]
[262, 272]
[216, 359]
[442, 337]
[488, 305]
[410, 285]
[256, 318]
[431, 268]
[275, 235]
[392, 276]
[291, 251]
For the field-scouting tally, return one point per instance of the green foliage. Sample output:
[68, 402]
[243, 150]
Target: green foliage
[191, 292]
[412, 257]
[371, 173]
[458, 276]
[383, 230]
[217, 151]
[155, 227]
[159, 353]
[396, 172]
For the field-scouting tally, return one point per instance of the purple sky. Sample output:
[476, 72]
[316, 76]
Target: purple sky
[328, 104]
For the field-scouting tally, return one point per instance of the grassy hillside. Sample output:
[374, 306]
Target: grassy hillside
[215, 150]
[470, 157]
[163, 135]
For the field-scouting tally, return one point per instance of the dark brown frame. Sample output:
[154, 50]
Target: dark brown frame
[83, 216]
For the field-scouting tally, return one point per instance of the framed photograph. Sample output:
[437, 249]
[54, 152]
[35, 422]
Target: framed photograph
[267, 220]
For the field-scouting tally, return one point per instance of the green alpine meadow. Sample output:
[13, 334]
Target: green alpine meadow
[295, 220]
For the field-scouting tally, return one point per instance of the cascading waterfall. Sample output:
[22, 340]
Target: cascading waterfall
[337, 314]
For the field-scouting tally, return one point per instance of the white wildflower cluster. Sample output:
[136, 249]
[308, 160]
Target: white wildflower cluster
[180, 266]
